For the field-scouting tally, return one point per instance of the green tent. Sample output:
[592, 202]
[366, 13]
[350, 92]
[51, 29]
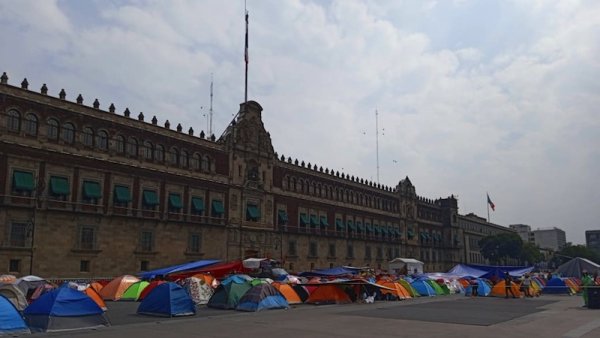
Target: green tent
[134, 290]
[438, 289]
[409, 288]
[228, 296]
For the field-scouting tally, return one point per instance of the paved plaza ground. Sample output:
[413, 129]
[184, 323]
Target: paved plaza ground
[446, 316]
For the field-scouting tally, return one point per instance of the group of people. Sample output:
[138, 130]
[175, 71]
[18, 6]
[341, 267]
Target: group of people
[509, 282]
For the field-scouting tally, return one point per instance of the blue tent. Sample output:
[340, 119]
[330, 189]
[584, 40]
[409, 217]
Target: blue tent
[167, 300]
[177, 268]
[64, 309]
[339, 271]
[423, 288]
[483, 288]
[556, 286]
[10, 319]
[262, 297]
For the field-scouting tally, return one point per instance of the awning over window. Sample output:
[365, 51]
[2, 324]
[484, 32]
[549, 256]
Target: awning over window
[360, 226]
[324, 223]
[23, 180]
[303, 220]
[217, 207]
[376, 229]
[150, 197]
[198, 204]
[339, 225]
[59, 185]
[314, 221]
[252, 212]
[368, 227]
[175, 201]
[351, 225]
[91, 189]
[122, 194]
[282, 216]
[423, 235]
[384, 229]
[410, 233]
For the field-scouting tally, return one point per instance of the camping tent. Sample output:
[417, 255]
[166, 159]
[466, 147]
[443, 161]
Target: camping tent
[423, 288]
[483, 288]
[557, 285]
[405, 266]
[575, 267]
[398, 290]
[328, 294]
[10, 319]
[29, 283]
[168, 300]
[14, 295]
[288, 292]
[134, 290]
[149, 288]
[199, 291]
[228, 295]
[64, 309]
[115, 289]
[262, 297]
[499, 289]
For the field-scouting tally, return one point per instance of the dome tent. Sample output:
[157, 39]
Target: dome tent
[11, 321]
[167, 300]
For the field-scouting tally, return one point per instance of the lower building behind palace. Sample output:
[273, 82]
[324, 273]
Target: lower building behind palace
[89, 192]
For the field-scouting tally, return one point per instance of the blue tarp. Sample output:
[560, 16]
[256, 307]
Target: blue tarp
[10, 319]
[167, 299]
[488, 271]
[339, 271]
[177, 268]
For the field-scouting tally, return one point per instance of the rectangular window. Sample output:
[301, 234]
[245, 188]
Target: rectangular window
[195, 243]
[14, 265]
[217, 208]
[18, 235]
[303, 220]
[175, 204]
[312, 249]
[379, 253]
[84, 266]
[292, 248]
[350, 251]
[22, 183]
[91, 192]
[149, 199]
[282, 217]
[144, 266]
[252, 212]
[121, 196]
[368, 252]
[147, 241]
[87, 237]
[323, 222]
[59, 188]
[314, 221]
[197, 206]
[332, 252]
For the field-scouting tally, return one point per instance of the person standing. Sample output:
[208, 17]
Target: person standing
[508, 285]
[474, 287]
[586, 282]
[526, 284]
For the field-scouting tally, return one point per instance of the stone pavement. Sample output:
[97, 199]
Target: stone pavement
[446, 316]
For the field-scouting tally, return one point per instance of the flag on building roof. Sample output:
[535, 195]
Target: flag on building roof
[492, 205]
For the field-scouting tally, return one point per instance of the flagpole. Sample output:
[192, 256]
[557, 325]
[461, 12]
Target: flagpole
[246, 60]
[488, 205]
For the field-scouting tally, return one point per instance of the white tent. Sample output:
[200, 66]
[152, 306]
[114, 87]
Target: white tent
[405, 266]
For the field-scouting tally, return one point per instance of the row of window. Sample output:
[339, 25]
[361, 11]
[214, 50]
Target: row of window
[99, 140]
[338, 194]
[23, 184]
[332, 251]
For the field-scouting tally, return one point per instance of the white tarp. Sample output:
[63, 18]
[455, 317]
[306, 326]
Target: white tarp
[252, 263]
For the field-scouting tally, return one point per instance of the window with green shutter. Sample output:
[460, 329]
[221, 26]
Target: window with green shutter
[59, 188]
[282, 217]
[197, 205]
[252, 213]
[217, 208]
[91, 192]
[149, 199]
[121, 196]
[175, 204]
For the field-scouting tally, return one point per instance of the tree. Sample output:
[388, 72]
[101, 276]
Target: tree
[498, 248]
[570, 251]
[530, 254]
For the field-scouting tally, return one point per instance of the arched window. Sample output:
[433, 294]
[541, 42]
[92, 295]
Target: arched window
[13, 120]
[52, 129]
[132, 147]
[31, 124]
[195, 161]
[184, 159]
[68, 133]
[102, 140]
[120, 144]
[148, 150]
[159, 153]
[88, 136]
[208, 164]
[173, 156]
[205, 164]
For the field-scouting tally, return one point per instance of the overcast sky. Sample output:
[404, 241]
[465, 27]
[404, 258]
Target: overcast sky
[473, 96]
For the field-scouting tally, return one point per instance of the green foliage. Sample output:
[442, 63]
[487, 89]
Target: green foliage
[530, 254]
[570, 251]
[499, 247]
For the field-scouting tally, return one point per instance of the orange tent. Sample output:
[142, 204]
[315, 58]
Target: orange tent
[328, 294]
[288, 292]
[96, 286]
[115, 289]
[399, 291]
[208, 279]
[96, 297]
[498, 290]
